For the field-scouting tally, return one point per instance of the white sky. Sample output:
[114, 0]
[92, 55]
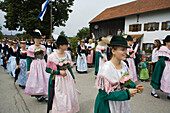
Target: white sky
[83, 12]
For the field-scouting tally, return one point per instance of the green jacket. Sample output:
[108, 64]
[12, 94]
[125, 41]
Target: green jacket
[102, 99]
[157, 74]
[98, 55]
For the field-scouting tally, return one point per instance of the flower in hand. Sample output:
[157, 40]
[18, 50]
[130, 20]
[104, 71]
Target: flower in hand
[126, 79]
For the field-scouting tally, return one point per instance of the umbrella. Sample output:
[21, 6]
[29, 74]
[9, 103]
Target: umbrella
[17, 71]
[51, 95]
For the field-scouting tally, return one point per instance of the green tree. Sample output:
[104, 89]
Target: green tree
[73, 43]
[84, 32]
[62, 33]
[23, 14]
[23, 36]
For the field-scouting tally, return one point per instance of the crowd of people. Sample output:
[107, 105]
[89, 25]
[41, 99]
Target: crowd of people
[44, 70]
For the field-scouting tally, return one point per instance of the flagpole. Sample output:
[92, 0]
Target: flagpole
[51, 21]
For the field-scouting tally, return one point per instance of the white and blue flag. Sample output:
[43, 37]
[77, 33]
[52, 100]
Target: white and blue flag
[44, 7]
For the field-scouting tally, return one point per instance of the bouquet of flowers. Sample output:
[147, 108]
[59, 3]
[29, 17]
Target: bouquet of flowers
[63, 65]
[131, 52]
[39, 50]
[103, 50]
[125, 80]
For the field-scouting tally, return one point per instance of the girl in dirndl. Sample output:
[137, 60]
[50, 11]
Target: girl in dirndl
[65, 98]
[130, 60]
[100, 55]
[49, 47]
[22, 77]
[160, 77]
[90, 47]
[144, 73]
[37, 83]
[9, 59]
[13, 53]
[81, 59]
[113, 96]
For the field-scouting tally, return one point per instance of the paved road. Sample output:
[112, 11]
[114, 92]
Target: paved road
[13, 100]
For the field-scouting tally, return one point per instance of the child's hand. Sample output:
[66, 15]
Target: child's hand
[63, 73]
[81, 57]
[133, 92]
[140, 66]
[139, 88]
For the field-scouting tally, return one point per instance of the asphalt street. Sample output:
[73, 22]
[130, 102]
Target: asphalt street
[13, 100]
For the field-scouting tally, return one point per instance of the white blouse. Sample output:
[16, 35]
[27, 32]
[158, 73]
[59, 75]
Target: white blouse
[155, 55]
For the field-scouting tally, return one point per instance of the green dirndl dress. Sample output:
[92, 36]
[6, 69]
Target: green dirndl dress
[144, 73]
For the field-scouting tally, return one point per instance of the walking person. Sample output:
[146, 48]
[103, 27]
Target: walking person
[160, 77]
[157, 45]
[130, 59]
[144, 73]
[100, 55]
[22, 77]
[64, 99]
[13, 53]
[113, 96]
[81, 59]
[90, 47]
[37, 83]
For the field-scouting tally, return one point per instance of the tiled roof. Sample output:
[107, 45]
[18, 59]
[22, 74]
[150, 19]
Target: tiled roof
[132, 8]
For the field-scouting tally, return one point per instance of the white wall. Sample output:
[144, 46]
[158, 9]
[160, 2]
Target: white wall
[149, 36]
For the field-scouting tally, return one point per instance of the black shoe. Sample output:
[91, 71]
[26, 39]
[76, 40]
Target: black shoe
[40, 99]
[168, 97]
[45, 98]
[155, 95]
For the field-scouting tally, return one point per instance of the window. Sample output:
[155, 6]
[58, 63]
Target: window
[151, 26]
[166, 25]
[135, 27]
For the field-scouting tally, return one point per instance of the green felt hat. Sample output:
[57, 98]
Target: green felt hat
[129, 38]
[118, 41]
[36, 35]
[61, 40]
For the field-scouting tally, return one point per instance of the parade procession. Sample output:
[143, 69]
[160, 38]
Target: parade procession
[120, 63]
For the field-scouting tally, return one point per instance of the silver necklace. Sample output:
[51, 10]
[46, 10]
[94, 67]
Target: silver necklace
[116, 61]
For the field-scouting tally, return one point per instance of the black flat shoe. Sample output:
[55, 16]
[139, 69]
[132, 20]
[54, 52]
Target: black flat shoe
[45, 98]
[40, 99]
[155, 95]
[168, 97]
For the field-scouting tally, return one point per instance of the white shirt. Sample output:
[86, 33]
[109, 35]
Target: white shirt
[155, 55]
